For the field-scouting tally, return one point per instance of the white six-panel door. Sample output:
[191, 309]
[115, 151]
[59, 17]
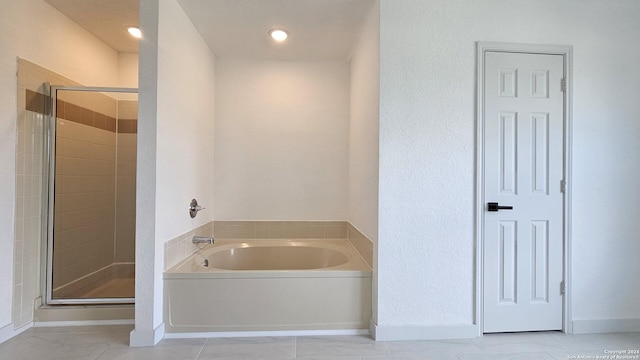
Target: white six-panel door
[523, 169]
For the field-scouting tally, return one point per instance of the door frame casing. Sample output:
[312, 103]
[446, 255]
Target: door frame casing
[567, 52]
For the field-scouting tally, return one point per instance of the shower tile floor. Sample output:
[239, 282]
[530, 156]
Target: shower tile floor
[116, 288]
[111, 342]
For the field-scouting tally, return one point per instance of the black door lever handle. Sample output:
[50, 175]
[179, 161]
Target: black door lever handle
[494, 206]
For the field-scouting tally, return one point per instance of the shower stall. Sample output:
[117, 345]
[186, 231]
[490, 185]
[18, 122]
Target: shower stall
[90, 195]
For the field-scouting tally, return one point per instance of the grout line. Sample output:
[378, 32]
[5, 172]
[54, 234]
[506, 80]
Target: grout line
[104, 351]
[201, 349]
[386, 345]
[476, 345]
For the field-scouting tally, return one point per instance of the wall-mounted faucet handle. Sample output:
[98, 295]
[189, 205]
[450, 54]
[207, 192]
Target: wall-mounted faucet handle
[194, 208]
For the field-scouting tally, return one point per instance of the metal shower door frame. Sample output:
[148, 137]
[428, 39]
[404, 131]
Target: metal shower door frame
[49, 164]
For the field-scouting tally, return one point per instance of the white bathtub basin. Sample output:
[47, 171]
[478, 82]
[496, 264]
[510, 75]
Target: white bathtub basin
[265, 257]
[263, 285]
[276, 258]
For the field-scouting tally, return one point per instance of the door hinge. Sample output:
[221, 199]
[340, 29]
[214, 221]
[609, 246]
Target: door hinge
[563, 186]
[563, 288]
[563, 84]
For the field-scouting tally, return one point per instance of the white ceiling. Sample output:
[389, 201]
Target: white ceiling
[318, 29]
[106, 19]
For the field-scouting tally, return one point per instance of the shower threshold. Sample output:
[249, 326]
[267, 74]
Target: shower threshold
[120, 314]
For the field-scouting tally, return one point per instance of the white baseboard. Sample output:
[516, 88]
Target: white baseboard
[83, 323]
[605, 326]
[237, 334]
[393, 333]
[7, 332]
[141, 338]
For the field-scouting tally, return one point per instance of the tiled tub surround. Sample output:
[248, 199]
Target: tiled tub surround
[361, 243]
[178, 248]
[281, 295]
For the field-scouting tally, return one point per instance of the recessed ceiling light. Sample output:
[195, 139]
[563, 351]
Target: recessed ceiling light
[135, 32]
[278, 34]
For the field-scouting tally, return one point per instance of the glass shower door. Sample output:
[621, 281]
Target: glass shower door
[91, 200]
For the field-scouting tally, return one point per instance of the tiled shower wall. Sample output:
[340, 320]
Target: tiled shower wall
[91, 121]
[29, 182]
[126, 181]
[84, 226]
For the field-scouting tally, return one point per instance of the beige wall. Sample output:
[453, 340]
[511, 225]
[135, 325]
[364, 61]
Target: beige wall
[128, 70]
[281, 140]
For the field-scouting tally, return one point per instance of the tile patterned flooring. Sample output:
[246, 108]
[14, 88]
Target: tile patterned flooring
[111, 343]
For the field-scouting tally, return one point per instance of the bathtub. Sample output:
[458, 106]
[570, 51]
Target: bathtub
[269, 285]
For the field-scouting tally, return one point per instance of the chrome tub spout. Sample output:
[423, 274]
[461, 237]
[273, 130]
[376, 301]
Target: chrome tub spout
[202, 240]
